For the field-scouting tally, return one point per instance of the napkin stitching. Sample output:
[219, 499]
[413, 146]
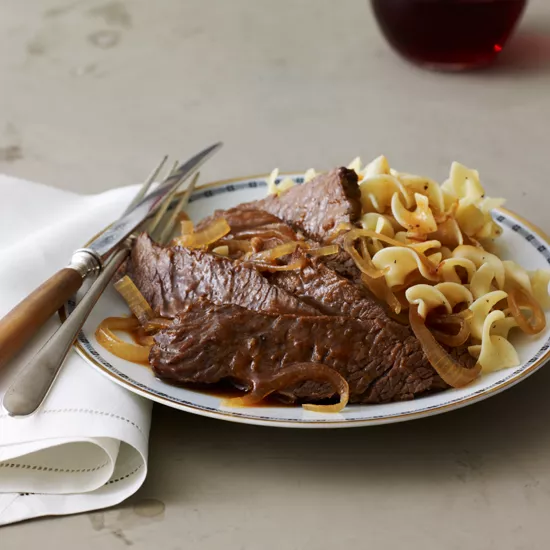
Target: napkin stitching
[87, 411]
[50, 469]
[117, 480]
[122, 478]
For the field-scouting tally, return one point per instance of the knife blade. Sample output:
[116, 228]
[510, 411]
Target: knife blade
[22, 322]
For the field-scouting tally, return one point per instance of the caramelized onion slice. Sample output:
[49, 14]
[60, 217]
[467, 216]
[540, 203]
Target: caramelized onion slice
[158, 323]
[236, 245]
[363, 262]
[263, 266]
[222, 250]
[210, 234]
[142, 337]
[461, 333]
[324, 250]
[450, 370]
[134, 298]
[383, 292]
[518, 300]
[111, 342]
[294, 374]
[279, 231]
[277, 252]
[337, 231]
[187, 227]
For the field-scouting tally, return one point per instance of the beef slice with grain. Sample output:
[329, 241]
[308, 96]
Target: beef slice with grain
[170, 278]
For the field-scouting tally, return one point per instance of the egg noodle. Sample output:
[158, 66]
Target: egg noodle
[428, 246]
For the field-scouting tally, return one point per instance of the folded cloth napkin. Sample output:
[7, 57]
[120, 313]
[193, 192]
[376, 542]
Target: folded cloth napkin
[86, 447]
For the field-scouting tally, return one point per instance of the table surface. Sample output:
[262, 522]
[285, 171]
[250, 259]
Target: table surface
[93, 93]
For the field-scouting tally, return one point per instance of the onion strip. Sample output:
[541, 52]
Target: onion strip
[158, 323]
[210, 234]
[263, 266]
[450, 370]
[236, 245]
[125, 350]
[186, 227]
[281, 232]
[364, 262]
[291, 375]
[222, 250]
[277, 252]
[451, 340]
[134, 298]
[518, 299]
[337, 231]
[383, 292]
[324, 250]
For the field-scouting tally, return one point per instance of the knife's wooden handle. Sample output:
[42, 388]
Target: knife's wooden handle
[23, 321]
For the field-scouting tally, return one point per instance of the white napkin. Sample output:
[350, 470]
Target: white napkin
[86, 447]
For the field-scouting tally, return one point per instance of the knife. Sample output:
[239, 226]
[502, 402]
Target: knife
[22, 322]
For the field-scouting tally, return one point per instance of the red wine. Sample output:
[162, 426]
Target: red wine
[448, 33]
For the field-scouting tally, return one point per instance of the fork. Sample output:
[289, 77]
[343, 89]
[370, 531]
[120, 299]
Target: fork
[32, 385]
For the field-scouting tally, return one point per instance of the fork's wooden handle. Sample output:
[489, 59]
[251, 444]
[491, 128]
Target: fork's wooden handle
[23, 321]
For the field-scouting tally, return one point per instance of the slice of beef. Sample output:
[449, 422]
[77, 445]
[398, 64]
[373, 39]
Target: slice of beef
[314, 208]
[171, 278]
[320, 286]
[210, 343]
[400, 383]
[329, 292]
[319, 206]
[242, 219]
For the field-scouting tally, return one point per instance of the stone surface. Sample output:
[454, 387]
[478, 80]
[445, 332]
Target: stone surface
[94, 92]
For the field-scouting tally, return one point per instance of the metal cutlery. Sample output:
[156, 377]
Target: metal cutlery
[22, 322]
[31, 386]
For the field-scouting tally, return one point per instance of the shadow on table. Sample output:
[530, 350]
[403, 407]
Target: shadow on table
[489, 439]
[528, 51]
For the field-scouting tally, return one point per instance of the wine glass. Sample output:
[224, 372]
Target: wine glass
[448, 34]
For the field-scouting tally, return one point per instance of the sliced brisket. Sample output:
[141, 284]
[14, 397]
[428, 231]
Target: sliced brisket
[171, 278]
[320, 286]
[329, 292]
[212, 343]
[314, 208]
[243, 220]
[319, 206]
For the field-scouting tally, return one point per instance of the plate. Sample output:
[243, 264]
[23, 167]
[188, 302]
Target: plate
[520, 241]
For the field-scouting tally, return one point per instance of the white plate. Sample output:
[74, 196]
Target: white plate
[520, 241]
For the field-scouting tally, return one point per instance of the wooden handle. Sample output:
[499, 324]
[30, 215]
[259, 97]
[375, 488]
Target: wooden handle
[33, 383]
[22, 322]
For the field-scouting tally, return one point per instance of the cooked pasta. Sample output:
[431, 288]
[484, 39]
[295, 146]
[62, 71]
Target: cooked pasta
[425, 245]
[274, 188]
[495, 351]
[446, 295]
[399, 262]
[539, 283]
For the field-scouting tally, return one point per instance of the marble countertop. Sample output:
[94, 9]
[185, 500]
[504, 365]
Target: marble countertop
[93, 92]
